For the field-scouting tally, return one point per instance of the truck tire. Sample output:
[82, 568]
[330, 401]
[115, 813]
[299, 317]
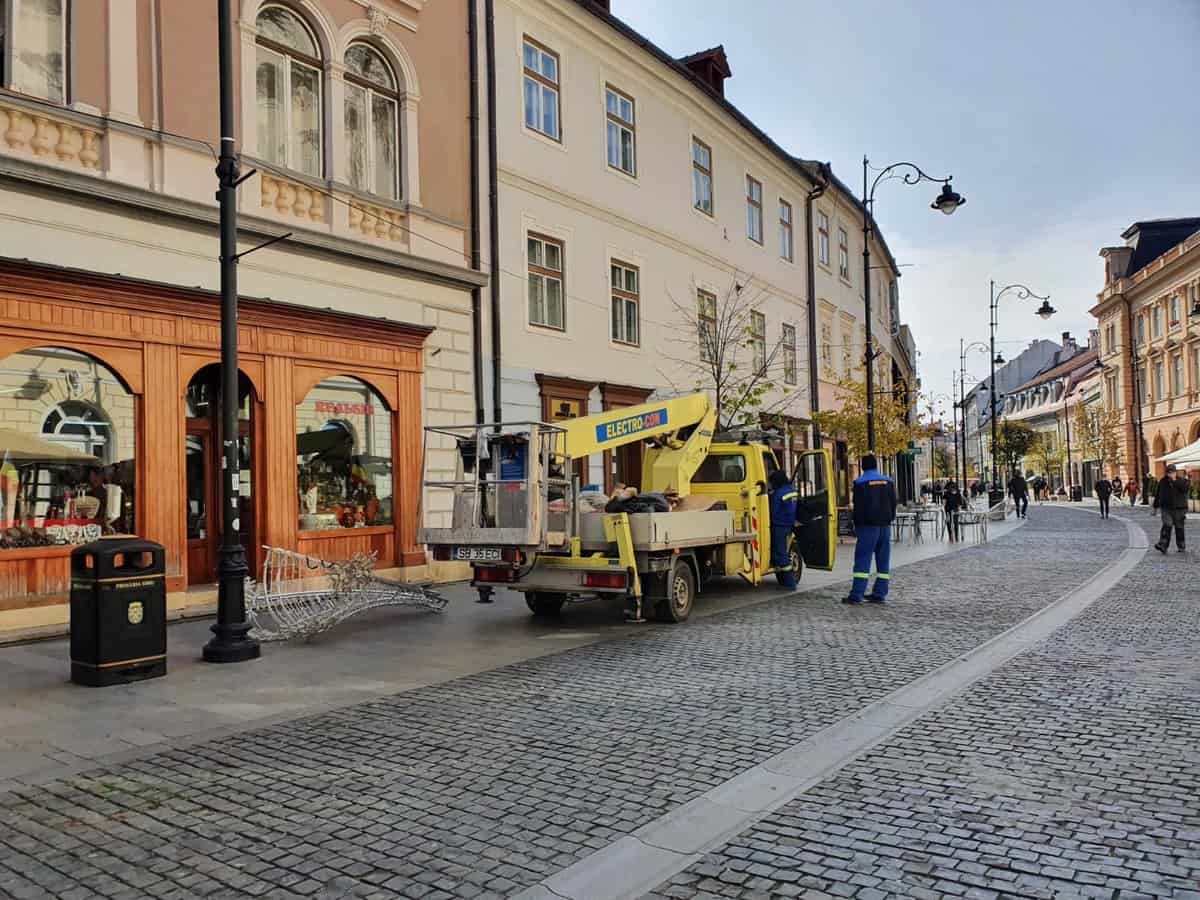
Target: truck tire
[545, 605]
[797, 563]
[681, 592]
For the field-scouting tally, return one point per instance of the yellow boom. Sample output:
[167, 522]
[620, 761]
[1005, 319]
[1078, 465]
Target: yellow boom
[681, 428]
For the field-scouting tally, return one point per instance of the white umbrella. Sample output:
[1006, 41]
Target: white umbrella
[1185, 457]
[18, 447]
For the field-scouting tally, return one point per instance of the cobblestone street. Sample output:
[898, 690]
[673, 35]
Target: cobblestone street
[1070, 771]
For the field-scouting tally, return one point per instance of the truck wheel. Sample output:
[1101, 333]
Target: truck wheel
[545, 605]
[797, 563]
[681, 591]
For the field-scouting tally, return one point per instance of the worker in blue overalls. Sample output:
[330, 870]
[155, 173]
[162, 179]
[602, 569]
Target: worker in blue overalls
[783, 519]
[874, 510]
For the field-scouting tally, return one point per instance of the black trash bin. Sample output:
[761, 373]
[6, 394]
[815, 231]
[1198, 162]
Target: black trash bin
[994, 497]
[1077, 493]
[118, 611]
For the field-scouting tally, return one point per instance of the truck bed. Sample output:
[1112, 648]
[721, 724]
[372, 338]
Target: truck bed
[666, 531]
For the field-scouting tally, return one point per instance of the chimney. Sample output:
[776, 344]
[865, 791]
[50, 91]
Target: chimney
[1116, 263]
[1070, 348]
[711, 67]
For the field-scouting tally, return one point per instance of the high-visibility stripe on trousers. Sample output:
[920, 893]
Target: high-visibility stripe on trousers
[874, 542]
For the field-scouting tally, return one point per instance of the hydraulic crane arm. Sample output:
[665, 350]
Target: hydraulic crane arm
[683, 428]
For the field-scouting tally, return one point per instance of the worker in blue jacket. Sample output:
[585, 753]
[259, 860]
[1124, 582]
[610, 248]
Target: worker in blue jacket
[783, 519]
[874, 510]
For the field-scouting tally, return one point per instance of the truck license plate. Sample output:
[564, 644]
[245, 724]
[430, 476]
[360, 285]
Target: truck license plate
[477, 554]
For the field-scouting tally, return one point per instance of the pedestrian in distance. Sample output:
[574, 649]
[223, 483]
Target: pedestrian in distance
[782, 499]
[1104, 491]
[937, 492]
[1118, 488]
[1018, 489]
[1131, 491]
[953, 503]
[1171, 501]
[874, 510]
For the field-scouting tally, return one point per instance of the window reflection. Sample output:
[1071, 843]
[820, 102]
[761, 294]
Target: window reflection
[343, 456]
[67, 446]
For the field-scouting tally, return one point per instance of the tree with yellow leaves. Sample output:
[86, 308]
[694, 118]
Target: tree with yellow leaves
[894, 428]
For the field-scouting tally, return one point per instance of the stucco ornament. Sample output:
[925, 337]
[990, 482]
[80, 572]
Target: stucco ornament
[378, 19]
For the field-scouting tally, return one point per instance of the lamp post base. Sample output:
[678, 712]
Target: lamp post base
[231, 645]
[231, 642]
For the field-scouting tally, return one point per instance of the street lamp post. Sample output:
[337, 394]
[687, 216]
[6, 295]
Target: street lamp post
[947, 202]
[1045, 311]
[230, 641]
[963, 349]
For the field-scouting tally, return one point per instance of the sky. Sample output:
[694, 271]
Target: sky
[1062, 122]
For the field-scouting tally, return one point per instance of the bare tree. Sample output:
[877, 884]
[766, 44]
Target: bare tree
[720, 346]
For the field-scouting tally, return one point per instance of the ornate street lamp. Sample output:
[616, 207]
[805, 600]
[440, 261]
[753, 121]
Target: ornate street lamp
[964, 349]
[947, 202]
[1045, 311]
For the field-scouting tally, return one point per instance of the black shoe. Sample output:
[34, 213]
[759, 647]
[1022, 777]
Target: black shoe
[1160, 548]
[875, 598]
[852, 601]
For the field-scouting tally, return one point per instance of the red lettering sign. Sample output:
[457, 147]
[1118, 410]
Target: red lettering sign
[344, 409]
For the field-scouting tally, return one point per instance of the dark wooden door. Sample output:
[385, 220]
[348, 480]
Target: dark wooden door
[203, 473]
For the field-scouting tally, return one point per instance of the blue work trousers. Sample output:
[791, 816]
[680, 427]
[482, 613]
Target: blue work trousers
[873, 541]
[781, 560]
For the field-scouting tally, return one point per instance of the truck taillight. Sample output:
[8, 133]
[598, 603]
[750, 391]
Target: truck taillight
[489, 575]
[604, 580]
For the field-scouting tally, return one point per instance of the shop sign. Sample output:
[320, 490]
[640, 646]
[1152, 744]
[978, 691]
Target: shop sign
[328, 407]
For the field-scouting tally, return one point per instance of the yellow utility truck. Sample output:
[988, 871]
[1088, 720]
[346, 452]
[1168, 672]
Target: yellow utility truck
[507, 500]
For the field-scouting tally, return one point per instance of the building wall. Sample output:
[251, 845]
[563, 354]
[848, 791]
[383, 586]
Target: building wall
[566, 190]
[1125, 315]
[119, 181]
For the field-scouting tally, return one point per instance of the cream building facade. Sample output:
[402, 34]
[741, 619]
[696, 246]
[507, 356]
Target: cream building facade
[354, 115]
[632, 197]
[1150, 339]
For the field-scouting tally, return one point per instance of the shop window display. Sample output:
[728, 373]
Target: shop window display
[344, 456]
[67, 439]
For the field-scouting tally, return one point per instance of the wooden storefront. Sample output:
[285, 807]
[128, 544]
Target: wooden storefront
[159, 346]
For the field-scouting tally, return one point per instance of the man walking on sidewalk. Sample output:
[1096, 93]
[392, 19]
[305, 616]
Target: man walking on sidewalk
[1104, 492]
[1018, 488]
[1171, 500]
[874, 510]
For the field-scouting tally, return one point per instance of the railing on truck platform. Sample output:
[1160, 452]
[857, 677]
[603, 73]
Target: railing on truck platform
[508, 485]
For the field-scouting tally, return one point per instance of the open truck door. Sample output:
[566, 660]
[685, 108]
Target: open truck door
[816, 510]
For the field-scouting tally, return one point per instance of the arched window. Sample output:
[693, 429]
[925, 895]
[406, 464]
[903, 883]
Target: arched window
[288, 79]
[81, 426]
[372, 123]
[343, 456]
[33, 40]
[67, 443]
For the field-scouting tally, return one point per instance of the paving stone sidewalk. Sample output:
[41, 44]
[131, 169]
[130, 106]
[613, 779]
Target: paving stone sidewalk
[1073, 771]
[484, 785]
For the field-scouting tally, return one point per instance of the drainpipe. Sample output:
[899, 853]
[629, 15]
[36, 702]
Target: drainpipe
[476, 292]
[493, 208]
[814, 374]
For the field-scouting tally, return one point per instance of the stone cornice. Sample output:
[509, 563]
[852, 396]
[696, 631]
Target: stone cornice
[35, 177]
